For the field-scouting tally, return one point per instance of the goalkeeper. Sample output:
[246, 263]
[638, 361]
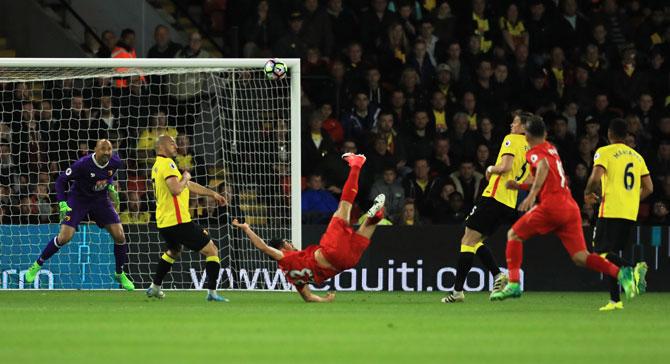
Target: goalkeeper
[91, 193]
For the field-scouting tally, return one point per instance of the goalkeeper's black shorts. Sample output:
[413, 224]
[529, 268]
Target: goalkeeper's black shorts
[188, 234]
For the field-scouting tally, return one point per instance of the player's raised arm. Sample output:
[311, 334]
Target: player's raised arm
[308, 296]
[258, 242]
[504, 166]
[199, 189]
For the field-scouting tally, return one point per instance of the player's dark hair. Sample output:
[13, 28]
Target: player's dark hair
[276, 243]
[126, 32]
[535, 127]
[619, 128]
[523, 115]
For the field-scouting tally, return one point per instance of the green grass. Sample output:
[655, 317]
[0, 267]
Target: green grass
[118, 327]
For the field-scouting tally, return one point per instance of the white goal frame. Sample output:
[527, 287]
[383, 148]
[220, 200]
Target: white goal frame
[294, 69]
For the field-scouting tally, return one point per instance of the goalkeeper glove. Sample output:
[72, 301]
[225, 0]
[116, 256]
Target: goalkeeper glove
[114, 195]
[64, 209]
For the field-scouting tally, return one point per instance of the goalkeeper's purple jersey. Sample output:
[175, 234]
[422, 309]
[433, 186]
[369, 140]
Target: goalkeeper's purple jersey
[90, 180]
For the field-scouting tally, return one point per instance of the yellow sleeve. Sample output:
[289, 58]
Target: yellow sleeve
[644, 170]
[601, 158]
[168, 168]
[509, 146]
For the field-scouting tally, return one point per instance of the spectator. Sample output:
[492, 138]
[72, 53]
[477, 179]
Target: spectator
[444, 22]
[483, 92]
[315, 144]
[601, 111]
[394, 142]
[645, 111]
[582, 91]
[380, 158]
[125, 48]
[393, 52]
[158, 126]
[593, 135]
[487, 135]
[28, 212]
[520, 70]
[409, 216]
[467, 182]
[445, 84]
[392, 189]
[481, 25]
[559, 74]
[578, 181]
[661, 166]
[441, 161]
[597, 65]
[407, 16]
[460, 71]
[335, 171]
[470, 109]
[539, 98]
[438, 112]
[503, 90]
[451, 208]
[7, 165]
[426, 32]
[330, 124]
[355, 67]
[105, 122]
[194, 48]
[163, 46]
[362, 118]
[374, 23]
[569, 29]
[400, 110]
[419, 141]
[628, 81]
[108, 42]
[318, 205]
[539, 30]
[260, 31]
[513, 29]
[133, 213]
[422, 63]
[373, 88]
[292, 44]
[42, 201]
[461, 138]
[344, 25]
[317, 28]
[420, 187]
[483, 159]
[615, 21]
[659, 214]
[562, 139]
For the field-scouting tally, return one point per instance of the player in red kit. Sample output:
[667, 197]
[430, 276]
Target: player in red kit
[340, 247]
[556, 212]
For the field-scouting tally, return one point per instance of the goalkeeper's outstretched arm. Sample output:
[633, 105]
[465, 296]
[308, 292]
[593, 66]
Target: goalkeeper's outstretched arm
[259, 243]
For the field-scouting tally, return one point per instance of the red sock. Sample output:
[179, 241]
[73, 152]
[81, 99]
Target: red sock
[514, 253]
[351, 186]
[599, 264]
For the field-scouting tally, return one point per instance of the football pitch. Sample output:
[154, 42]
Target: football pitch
[255, 327]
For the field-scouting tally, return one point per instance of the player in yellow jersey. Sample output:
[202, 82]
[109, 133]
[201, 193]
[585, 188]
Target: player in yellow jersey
[623, 176]
[495, 207]
[172, 190]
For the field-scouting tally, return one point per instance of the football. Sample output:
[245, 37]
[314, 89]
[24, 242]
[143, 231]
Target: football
[275, 69]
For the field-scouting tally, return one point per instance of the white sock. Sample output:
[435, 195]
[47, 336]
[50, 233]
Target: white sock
[155, 286]
[211, 292]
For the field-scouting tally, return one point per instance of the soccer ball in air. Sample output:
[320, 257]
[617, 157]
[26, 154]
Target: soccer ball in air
[275, 69]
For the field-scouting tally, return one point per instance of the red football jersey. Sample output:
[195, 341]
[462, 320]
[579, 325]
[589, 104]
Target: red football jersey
[300, 267]
[555, 187]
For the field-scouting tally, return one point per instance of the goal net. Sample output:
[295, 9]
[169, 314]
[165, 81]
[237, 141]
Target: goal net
[237, 132]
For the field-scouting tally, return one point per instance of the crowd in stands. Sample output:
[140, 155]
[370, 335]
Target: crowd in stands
[424, 88]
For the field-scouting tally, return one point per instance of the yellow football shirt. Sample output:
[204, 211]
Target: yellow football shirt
[170, 210]
[516, 146]
[624, 169]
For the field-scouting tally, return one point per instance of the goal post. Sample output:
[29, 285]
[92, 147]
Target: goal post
[238, 132]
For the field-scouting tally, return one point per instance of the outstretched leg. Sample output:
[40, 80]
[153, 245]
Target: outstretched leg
[375, 215]
[350, 189]
[50, 249]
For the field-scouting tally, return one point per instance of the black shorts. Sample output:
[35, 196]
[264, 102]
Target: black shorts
[488, 214]
[612, 235]
[189, 234]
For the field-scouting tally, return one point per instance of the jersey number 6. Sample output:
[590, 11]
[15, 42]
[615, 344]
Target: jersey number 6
[628, 177]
